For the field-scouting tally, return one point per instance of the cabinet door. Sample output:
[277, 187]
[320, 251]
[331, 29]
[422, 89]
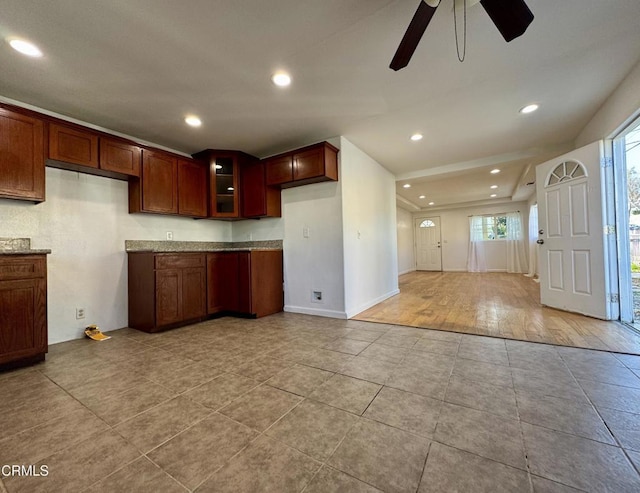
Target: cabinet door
[254, 190]
[72, 145]
[159, 182]
[192, 188]
[279, 170]
[224, 187]
[308, 164]
[194, 289]
[23, 325]
[21, 156]
[120, 157]
[168, 296]
[222, 282]
[244, 283]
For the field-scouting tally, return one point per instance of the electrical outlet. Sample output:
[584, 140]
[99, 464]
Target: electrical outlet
[316, 296]
[169, 235]
[79, 313]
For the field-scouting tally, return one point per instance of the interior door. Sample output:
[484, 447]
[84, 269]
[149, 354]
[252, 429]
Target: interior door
[428, 248]
[573, 273]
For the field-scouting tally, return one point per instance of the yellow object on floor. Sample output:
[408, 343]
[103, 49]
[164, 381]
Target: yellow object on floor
[94, 332]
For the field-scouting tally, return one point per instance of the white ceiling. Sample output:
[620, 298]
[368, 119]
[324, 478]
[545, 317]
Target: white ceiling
[139, 66]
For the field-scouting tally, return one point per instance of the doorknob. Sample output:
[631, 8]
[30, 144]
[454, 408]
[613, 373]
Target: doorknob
[540, 241]
[541, 232]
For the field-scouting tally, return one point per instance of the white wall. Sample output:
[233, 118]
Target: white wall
[454, 225]
[314, 263]
[620, 109]
[369, 229]
[405, 232]
[85, 221]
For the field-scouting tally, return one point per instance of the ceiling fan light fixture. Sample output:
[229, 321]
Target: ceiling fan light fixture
[530, 108]
[416, 137]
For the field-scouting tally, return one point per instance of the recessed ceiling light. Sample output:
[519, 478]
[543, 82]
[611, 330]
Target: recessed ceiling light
[281, 79]
[193, 121]
[493, 195]
[416, 137]
[530, 108]
[422, 197]
[431, 203]
[495, 171]
[230, 189]
[25, 47]
[406, 185]
[493, 187]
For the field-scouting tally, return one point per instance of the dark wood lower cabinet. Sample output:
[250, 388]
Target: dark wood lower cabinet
[166, 290]
[23, 309]
[245, 283]
[169, 290]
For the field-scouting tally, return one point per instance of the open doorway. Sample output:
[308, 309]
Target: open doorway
[627, 170]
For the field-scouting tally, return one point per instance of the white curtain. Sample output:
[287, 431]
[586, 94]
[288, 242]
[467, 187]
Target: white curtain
[516, 259]
[533, 237]
[476, 259]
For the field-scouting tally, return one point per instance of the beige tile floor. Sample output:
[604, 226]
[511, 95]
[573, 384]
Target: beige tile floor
[299, 403]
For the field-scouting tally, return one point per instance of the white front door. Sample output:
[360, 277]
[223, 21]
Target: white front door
[428, 250]
[571, 229]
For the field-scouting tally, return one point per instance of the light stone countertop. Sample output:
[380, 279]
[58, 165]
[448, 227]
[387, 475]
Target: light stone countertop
[133, 246]
[19, 246]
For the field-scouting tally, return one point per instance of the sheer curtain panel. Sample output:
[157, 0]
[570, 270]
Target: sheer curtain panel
[516, 258]
[533, 237]
[476, 261]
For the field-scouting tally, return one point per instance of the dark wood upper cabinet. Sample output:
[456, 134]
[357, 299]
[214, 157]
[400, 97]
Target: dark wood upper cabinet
[279, 170]
[120, 157]
[312, 164]
[157, 189]
[21, 156]
[258, 200]
[73, 145]
[192, 188]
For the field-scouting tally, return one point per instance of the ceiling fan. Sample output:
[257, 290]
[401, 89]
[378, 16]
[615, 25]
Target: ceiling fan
[511, 17]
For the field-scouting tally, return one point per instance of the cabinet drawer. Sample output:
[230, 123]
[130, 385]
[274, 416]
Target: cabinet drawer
[180, 261]
[18, 267]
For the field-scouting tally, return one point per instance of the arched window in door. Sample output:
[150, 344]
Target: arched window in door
[569, 170]
[427, 223]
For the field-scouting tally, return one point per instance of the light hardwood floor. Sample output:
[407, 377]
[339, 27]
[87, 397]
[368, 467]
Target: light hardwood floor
[495, 304]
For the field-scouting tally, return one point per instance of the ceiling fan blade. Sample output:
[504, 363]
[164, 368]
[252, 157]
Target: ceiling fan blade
[412, 36]
[511, 17]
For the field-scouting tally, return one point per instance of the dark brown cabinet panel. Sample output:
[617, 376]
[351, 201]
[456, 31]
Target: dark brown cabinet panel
[312, 164]
[192, 188]
[23, 309]
[120, 157]
[258, 200]
[157, 189]
[279, 170]
[72, 145]
[166, 290]
[222, 282]
[248, 283]
[22, 156]
[168, 296]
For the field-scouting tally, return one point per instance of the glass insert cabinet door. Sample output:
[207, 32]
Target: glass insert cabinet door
[225, 185]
